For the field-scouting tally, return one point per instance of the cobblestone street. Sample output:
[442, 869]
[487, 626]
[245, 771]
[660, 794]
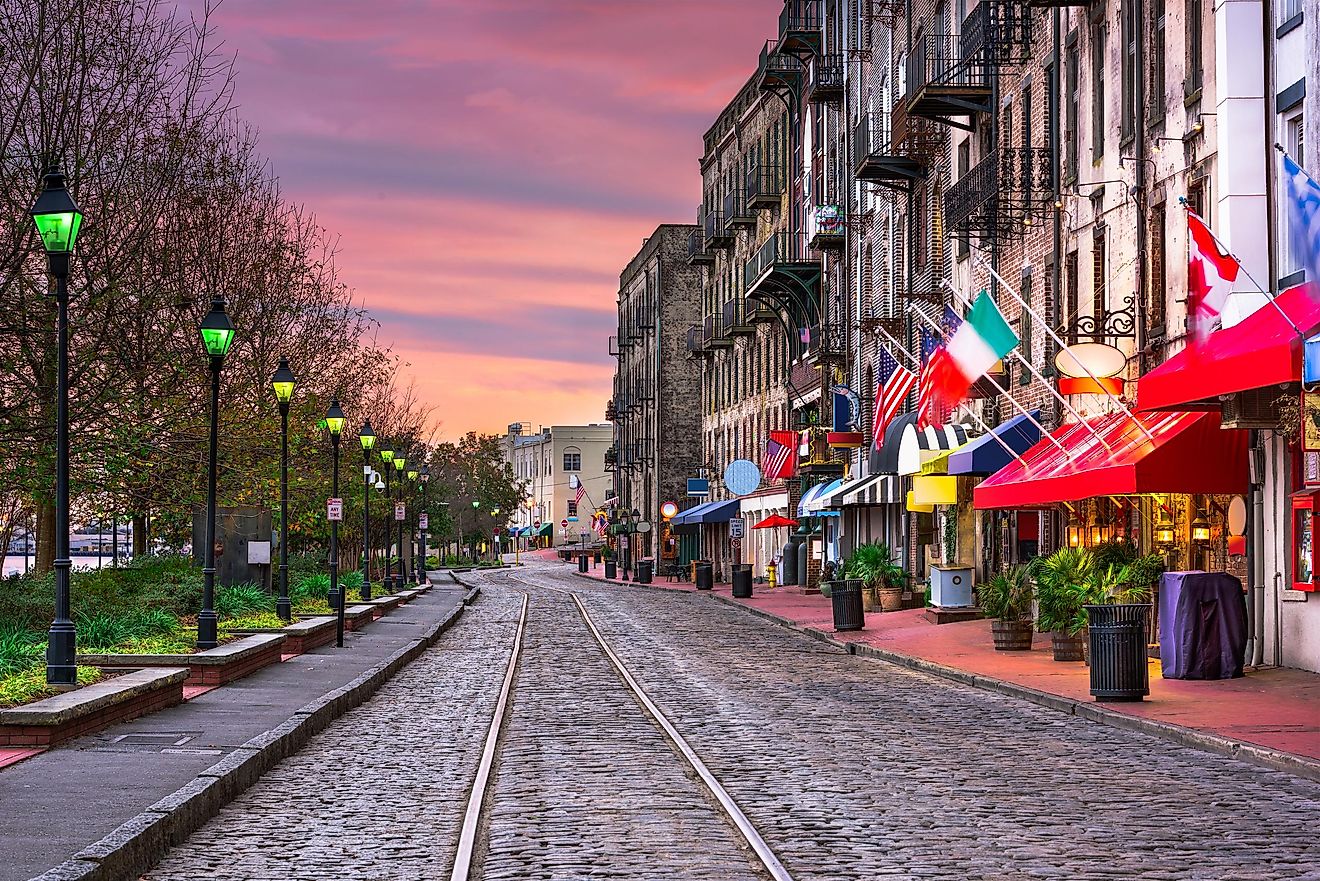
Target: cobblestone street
[849, 768]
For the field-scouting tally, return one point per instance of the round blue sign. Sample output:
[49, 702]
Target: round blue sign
[742, 477]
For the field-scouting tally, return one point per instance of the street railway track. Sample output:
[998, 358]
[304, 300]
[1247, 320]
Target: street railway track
[468, 862]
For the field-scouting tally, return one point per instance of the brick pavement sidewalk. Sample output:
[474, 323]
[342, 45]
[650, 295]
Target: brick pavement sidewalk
[1277, 708]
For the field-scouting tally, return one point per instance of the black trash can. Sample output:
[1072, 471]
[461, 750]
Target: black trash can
[705, 575]
[742, 580]
[595, 560]
[611, 569]
[1118, 638]
[582, 562]
[846, 601]
[645, 571]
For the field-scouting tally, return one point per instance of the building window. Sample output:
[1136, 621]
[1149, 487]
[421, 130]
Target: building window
[1070, 282]
[1099, 292]
[1155, 100]
[1195, 49]
[1072, 111]
[1098, 39]
[1158, 277]
[1128, 30]
[1294, 132]
[1024, 376]
[572, 459]
[572, 508]
[964, 165]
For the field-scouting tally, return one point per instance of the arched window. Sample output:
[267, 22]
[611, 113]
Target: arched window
[572, 459]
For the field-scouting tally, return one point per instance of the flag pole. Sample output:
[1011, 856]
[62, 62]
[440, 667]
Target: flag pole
[1019, 407]
[1059, 341]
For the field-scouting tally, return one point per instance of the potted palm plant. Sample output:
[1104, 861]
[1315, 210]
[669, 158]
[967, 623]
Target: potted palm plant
[1007, 599]
[873, 564]
[1064, 583]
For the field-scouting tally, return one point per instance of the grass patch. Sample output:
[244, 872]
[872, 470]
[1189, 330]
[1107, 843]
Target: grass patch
[30, 685]
[253, 621]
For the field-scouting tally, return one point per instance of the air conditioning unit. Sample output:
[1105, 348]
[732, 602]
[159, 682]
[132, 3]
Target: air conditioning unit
[1255, 408]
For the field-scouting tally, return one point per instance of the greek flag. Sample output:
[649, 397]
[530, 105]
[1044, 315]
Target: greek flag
[1303, 217]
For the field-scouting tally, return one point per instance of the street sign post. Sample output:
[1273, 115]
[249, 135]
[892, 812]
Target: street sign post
[736, 526]
[400, 510]
[563, 524]
[423, 521]
[334, 509]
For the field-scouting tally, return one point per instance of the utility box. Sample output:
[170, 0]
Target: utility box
[951, 588]
[235, 529]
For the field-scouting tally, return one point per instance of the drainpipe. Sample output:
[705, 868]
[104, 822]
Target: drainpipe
[1056, 145]
[1139, 194]
[1255, 559]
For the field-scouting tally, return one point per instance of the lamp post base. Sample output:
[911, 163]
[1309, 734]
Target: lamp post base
[207, 630]
[284, 608]
[332, 599]
[61, 668]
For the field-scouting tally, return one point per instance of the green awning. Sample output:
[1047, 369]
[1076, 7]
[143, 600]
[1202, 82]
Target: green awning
[546, 529]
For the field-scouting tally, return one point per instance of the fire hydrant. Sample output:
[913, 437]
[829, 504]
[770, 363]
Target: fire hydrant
[770, 574]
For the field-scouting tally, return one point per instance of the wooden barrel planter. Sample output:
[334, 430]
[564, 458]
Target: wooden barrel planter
[1012, 636]
[891, 599]
[1068, 648]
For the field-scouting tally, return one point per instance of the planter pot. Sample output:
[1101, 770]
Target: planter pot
[1118, 637]
[871, 599]
[891, 599]
[1012, 636]
[1068, 648]
[826, 587]
[846, 603]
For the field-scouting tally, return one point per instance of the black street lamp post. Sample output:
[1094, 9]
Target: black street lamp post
[334, 423]
[400, 460]
[472, 550]
[283, 383]
[217, 335]
[367, 436]
[387, 457]
[413, 474]
[425, 477]
[58, 220]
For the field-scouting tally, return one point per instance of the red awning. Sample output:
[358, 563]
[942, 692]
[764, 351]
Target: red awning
[1190, 454]
[1261, 351]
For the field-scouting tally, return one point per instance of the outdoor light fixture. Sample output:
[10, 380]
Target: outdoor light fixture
[334, 420]
[1164, 528]
[217, 336]
[283, 383]
[58, 220]
[334, 423]
[367, 438]
[1200, 529]
[387, 456]
[400, 461]
[412, 473]
[1074, 532]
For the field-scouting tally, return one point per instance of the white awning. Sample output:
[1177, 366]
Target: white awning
[878, 489]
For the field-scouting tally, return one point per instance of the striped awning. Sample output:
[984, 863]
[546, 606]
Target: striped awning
[907, 447]
[808, 497]
[824, 503]
[878, 489]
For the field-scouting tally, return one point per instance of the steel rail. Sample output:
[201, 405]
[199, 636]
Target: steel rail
[467, 839]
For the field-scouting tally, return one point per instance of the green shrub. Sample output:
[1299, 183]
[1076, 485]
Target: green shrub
[20, 649]
[309, 587]
[30, 684]
[1008, 595]
[1064, 585]
[350, 580]
[239, 599]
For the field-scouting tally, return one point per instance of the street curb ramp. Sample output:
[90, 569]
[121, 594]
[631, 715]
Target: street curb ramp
[1262, 756]
[139, 843]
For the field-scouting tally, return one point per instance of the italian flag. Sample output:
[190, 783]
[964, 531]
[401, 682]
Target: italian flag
[979, 342]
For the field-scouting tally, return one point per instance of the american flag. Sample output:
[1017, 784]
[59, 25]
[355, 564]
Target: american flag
[928, 403]
[779, 458]
[581, 492]
[891, 390]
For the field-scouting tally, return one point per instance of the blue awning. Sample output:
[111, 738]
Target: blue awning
[718, 512]
[685, 517]
[808, 497]
[822, 503]
[985, 455]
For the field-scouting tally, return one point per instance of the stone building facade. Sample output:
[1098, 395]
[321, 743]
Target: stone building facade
[657, 426]
[549, 463]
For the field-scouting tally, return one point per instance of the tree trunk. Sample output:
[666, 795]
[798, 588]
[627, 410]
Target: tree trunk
[139, 534]
[45, 561]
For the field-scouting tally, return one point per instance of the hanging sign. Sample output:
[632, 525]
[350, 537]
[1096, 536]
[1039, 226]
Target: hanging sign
[1310, 418]
[668, 510]
[698, 487]
[334, 509]
[422, 521]
[742, 477]
[400, 510]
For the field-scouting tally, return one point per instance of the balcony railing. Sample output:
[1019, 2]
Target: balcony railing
[611, 411]
[765, 186]
[776, 70]
[697, 252]
[997, 30]
[894, 147]
[736, 212]
[799, 26]
[736, 322]
[1000, 192]
[825, 78]
[614, 346]
[943, 81]
[718, 233]
[696, 341]
[780, 248]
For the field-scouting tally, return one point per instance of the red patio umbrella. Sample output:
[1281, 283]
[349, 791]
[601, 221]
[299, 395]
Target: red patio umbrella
[775, 520]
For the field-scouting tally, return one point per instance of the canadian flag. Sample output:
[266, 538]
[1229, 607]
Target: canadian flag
[1211, 272]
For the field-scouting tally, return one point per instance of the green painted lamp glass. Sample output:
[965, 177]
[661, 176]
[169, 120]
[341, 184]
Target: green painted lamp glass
[387, 455]
[367, 436]
[412, 474]
[217, 330]
[283, 382]
[399, 462]
[476, 504]
[56, 215]
[334, 418]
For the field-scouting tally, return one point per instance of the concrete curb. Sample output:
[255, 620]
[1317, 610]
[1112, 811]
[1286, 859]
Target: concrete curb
[1264, 756]
[139, 843]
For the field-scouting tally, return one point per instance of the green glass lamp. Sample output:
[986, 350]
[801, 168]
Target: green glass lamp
[387, 455]
[334, 418]
[283, 382]
[412, 473]
[476, 504]
[367, 436]
[399, 461]
[56, 215]
[217, 330]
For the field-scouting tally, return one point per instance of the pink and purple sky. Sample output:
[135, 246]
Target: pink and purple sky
[490, 167]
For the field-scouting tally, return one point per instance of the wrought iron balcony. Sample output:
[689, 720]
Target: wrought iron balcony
[736, 322]
[614, 346]
[611, 411]
[718, 233]
[1001, 192]
[823, 343]
[776, 71]
[895, 148]
[736, 212]
[946, 83]
[782, 263]
[696, 342]
[714, 335]
[826, 227]
[824, 79]
[800, 26]
[611, 456]
[697, 253]
[765, 187]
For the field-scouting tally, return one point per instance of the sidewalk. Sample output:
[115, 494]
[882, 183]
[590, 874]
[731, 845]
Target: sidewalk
[1274, 708]
[55, 804]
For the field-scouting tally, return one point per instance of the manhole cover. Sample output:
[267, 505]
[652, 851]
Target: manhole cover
[163, 738]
